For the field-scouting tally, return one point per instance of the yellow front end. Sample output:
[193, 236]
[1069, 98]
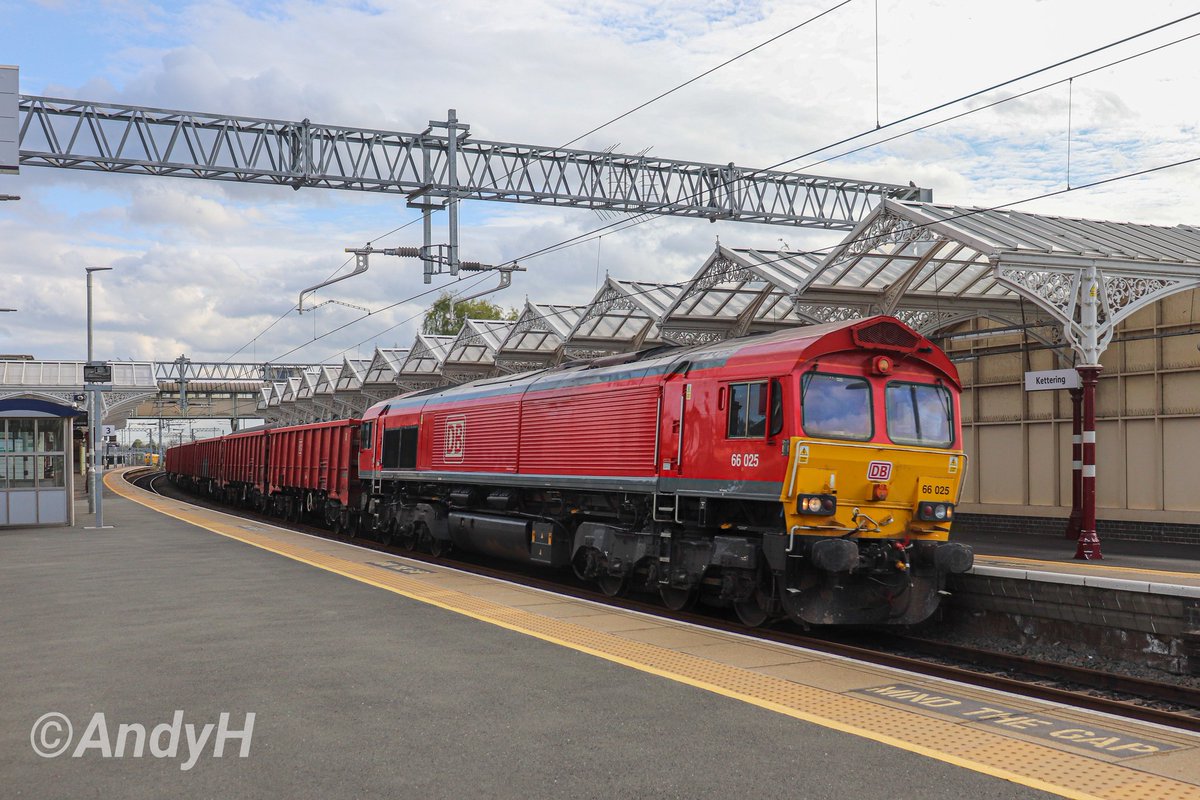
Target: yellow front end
[877, 489]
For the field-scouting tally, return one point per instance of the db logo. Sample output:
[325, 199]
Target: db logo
[879, 471]
[456, 440]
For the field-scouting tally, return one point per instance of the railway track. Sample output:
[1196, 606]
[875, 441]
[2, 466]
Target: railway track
[1158, 702]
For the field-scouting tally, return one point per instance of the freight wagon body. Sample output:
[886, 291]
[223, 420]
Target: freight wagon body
[314, 469]
[764, 472]
[244, 458]
[179, 460]
[197, 460]
[244, 463]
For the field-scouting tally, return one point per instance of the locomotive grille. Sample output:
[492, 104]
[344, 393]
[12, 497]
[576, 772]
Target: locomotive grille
[887, 334]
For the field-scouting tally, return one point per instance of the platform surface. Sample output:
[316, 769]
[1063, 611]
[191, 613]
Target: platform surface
[1161, 564]
[371, 675]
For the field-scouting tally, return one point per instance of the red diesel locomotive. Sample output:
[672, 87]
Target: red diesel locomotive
[810, 473]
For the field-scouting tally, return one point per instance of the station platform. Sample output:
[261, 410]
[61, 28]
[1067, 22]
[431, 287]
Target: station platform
[1146, 566]
[371, 675]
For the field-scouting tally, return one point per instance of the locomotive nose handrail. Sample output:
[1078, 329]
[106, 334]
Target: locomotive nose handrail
[791, 539]
[861, 527]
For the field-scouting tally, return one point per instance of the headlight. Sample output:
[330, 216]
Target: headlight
[939, 512]
[823, 504]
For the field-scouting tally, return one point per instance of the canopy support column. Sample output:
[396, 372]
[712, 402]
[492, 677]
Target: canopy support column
[1088, 546]
[1073, 521]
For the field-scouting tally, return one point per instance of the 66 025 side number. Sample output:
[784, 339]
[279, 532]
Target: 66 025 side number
[743, 460]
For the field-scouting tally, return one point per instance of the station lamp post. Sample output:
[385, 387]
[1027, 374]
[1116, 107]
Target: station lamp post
[96, 470]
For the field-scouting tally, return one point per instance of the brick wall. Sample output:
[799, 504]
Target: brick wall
[1125, 530]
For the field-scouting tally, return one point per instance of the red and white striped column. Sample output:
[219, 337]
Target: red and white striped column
[1073, 521]
[1088, 546]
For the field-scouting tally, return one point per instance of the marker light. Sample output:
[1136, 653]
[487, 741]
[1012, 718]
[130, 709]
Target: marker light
[816, 504]
[881, 365]
[939, 512]
[879, 491]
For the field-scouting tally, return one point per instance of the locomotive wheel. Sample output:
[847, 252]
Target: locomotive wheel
[678, 599]
[613, 585]
[439, 547]
[408, 538]
[750, 612]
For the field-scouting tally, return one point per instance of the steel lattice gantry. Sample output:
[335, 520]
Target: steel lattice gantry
[135, 140]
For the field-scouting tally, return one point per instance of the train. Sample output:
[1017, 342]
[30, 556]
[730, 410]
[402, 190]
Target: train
[810, 473]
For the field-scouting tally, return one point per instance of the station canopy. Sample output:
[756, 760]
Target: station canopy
[423, 367]
[537, 337]
[350, 379]
[623, 316]
[384, 365]
[379, 381]
[934, 266]
[472, 354]
[736, 291]
[327, 377]
[61, 381]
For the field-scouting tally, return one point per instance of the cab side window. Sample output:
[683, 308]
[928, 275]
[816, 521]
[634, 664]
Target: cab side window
[747, 412]
[776, 419]
[366, 438]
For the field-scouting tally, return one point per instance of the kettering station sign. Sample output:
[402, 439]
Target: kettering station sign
[1051, 379]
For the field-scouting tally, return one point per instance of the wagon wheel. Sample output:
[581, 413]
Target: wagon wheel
[337, 525]
[613, 585]
[678, 599]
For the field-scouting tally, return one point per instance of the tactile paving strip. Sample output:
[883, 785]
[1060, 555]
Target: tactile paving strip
[1023, 762]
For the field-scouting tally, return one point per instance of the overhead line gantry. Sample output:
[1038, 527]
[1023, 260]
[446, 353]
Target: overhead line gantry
[109, 137]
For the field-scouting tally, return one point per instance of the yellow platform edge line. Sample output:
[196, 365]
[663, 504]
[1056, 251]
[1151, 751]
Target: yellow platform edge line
[125, 490]
[1092, 565]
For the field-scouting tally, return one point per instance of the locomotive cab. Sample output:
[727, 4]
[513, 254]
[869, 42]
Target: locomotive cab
[872, 482]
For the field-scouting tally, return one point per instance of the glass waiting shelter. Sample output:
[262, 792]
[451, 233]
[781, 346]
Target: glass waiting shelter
[35, 463]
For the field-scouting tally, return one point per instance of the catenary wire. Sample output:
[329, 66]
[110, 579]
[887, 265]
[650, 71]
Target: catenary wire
[625, 224]
[621, 225]
[568, 143]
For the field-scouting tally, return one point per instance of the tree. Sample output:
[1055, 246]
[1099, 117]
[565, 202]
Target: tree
[445, 318]
[137, 443]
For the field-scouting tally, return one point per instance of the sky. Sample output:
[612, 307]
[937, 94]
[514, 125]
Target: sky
[204, 268]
